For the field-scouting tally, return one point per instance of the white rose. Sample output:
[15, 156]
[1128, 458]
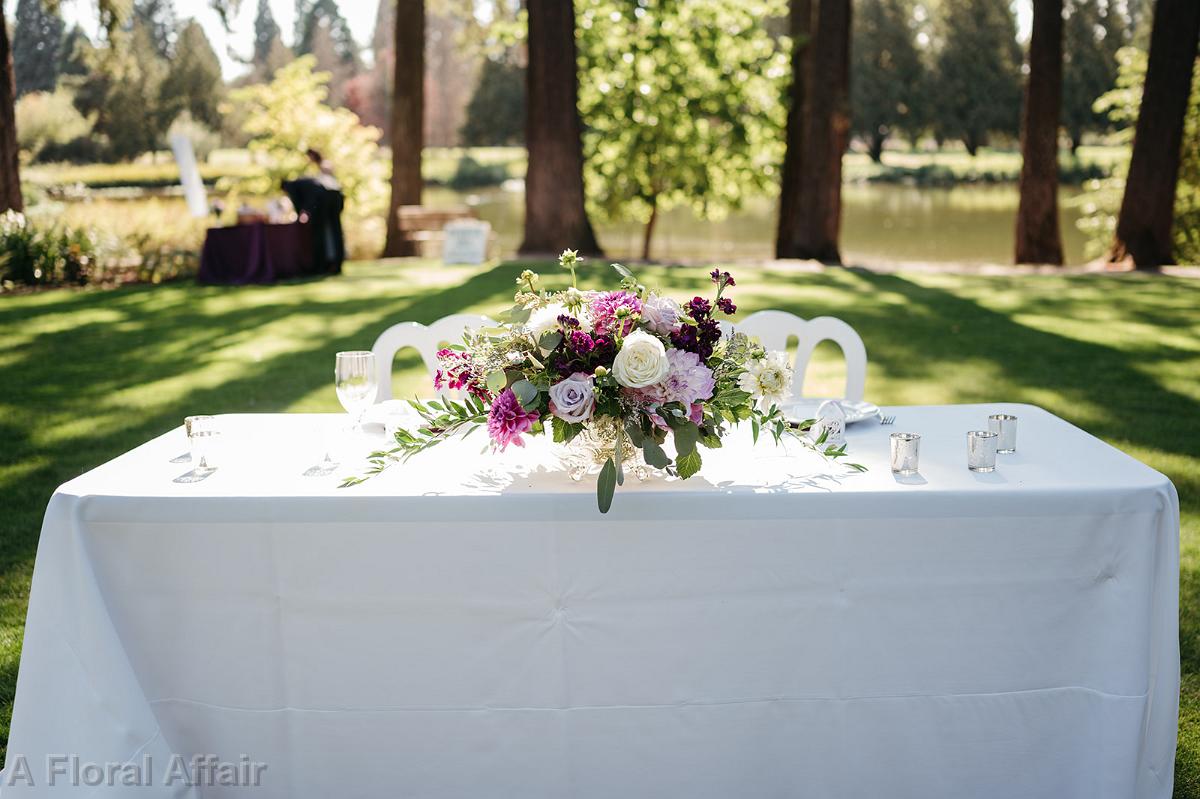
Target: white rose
[573, 398]
[660, 314]
[641, 362]
[543, 320]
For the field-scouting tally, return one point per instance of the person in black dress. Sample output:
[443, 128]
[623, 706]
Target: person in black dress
[318, 201]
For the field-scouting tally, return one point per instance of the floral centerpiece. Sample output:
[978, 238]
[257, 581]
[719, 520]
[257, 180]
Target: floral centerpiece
[626, 368]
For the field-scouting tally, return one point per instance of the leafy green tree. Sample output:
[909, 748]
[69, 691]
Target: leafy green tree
[977, 74]
[193, 83]
[496, 112]
[48, 119]
[35, 51]
[680, 103]
[289, 115]
[123, 92]
[1092, 34]
[886, 74]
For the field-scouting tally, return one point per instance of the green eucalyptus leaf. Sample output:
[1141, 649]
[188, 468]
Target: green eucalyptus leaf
[636, 436]
[606, 486]
[550, 339]
[526, 392]
[654, 454]
[497, 380]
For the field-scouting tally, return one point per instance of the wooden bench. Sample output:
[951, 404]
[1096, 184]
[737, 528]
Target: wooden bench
[423, 225]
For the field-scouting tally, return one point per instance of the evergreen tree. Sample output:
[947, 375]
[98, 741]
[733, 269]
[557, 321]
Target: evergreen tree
[266, 31]
[37, 38]
[159, 20]
[313, 14]
[1092, 34]
[123, 89]
[496, 112]
[978, 72]
[886, 73]
[74, 55]
[193, 83]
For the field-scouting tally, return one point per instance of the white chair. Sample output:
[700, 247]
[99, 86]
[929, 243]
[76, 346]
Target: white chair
[426, 340]
[772, 329]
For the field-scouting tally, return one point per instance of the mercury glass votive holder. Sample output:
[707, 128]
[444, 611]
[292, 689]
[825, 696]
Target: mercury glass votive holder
[981, 450]
[201, 433]
[1004, 425]
[906, 450]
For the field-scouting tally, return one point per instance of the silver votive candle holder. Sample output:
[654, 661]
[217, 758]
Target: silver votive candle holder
[981, 450]
[1004, 425]
[906, 450]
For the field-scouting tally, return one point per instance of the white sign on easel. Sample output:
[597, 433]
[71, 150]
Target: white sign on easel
[189, 175]
[466, 241]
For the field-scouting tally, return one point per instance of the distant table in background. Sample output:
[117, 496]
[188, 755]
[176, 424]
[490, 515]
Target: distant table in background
[255, 253]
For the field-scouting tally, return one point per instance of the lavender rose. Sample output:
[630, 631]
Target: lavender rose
[573, 398]
[660, 314]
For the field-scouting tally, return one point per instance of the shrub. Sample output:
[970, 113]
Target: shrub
[46, 119]
[471, 174]
[57, 256]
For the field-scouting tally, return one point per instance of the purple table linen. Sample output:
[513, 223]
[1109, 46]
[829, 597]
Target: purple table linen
[255, 253]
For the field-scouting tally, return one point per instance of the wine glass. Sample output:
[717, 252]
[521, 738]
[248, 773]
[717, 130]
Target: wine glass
[356, 384]
[354, 377]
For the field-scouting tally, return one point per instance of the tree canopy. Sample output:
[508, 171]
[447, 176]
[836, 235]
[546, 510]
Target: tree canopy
[680, 104]
[887, 76]
[37, 42]
[977, 71]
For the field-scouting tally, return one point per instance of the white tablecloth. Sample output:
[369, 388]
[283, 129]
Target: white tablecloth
[472, 627]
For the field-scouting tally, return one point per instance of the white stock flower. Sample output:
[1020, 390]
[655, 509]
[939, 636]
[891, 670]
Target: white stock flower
[768, 378]
[641, 362]
[543, 320]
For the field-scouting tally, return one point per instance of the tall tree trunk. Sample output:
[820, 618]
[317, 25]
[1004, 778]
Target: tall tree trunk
[555, 216]
[875, 144]
[10, 173]
[1148, 207]
[827, 128]
[971, 142]
[648, 234]
[408, 119]
[1038, 238]
[787, 237]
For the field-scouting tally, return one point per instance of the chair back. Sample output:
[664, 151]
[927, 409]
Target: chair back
[773, 328]
[426, 340]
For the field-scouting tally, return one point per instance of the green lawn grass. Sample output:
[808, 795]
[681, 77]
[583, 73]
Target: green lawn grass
[86, 375]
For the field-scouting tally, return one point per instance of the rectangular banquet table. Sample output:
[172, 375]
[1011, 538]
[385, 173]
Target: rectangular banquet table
[471, 626]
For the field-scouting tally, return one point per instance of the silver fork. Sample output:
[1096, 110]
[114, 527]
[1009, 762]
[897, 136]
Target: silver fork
[886, 420]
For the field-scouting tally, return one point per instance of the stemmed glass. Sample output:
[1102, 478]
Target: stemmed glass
[354, 376]
[356, 384]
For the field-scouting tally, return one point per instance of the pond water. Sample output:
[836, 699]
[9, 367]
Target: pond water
[881, 222]
[969, 224]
